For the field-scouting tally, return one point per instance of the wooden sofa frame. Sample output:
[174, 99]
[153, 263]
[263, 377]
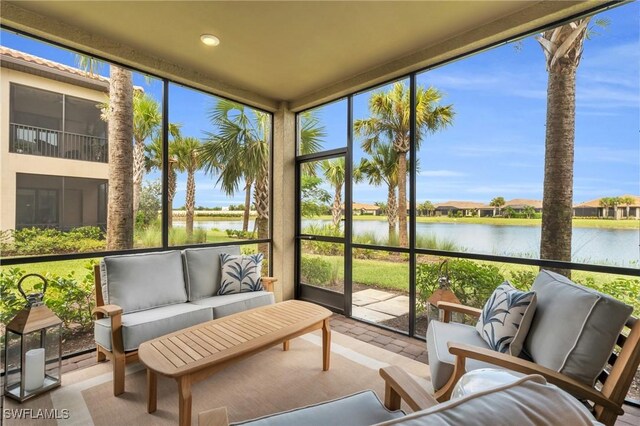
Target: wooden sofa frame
[117, 354]
[615, 379]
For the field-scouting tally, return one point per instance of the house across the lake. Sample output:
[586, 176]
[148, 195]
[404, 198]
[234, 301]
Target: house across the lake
[619, 210]
[466, 208]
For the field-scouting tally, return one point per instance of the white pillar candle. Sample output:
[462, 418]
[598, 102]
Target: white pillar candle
[34, 369]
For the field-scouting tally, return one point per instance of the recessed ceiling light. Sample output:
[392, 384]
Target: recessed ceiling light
[210, 39]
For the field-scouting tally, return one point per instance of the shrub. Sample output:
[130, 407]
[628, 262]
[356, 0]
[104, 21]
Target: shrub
[69, 298]
[34, 241]
[11, 301]
[471, 282]
[316, 271]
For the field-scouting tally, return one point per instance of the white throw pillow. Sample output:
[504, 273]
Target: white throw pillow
[506, 318]
[240, 273]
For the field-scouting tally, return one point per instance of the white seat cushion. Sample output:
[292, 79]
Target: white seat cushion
[233, 303]
[527, 401]
[138, 327]
[360, 409]
[441, 362]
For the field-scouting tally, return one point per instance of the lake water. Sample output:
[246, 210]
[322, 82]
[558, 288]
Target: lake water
[618, 247]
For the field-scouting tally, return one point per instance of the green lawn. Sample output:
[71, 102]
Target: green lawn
[59, 268]
[578, 223]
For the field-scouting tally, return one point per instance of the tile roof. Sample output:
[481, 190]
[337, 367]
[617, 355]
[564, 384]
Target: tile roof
[460, 204]
[596, 202]
[16, 54]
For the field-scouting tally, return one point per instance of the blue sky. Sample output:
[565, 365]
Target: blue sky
[495, 146]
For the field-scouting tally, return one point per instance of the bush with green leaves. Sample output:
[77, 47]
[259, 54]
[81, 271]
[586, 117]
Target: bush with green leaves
[69, 298]
[316, 271]
[35, 241]
[471, 282]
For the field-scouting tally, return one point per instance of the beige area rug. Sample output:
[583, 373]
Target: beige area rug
[266, 383]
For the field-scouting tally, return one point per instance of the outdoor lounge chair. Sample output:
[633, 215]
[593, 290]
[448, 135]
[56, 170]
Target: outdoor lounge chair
[527, 400]
[579, 338]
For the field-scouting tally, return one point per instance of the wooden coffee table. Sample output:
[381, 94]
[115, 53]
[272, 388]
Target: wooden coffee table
[195, 353]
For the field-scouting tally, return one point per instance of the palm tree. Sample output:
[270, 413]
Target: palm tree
[187, 154]
[153, 160]
[605, 203]
[310, 138]
[390, 121]
[146, 121]
[119, 114]
[497, 202]
[562, 48]
[627, 201]
[615, 202]
[334, 171]
[382, 168]
[120, 218]
[426, 208]
[240, 152]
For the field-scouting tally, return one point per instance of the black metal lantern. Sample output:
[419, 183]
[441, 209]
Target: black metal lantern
[33, 348]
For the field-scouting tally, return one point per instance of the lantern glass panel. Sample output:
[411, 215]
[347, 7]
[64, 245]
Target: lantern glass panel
[33, 340]
[52, 354]
[13, 363]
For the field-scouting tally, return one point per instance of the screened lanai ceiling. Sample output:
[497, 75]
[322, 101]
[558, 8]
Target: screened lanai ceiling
[299, 52]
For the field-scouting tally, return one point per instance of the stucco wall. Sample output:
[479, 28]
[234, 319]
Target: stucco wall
[11, 163]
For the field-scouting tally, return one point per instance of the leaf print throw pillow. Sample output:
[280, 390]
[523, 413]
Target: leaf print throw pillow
[240, 273]
[506, 318]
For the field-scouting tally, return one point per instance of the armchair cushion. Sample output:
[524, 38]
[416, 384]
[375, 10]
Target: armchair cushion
[233, 303]
[202, 270]
[574, 328]
[137, 282]
[138, 327]
[441, 362]
[527, 401]
[240, 273]
[360, 409]
[506, 318]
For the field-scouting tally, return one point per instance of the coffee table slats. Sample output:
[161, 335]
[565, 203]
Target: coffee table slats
[239, 330]
[221, 337]
[168, 353]
[262, 328]
[194, 345]
[207, 338]
[189, 351]
[184, 357]
[203, 343]
[224, 337]
[224, 330]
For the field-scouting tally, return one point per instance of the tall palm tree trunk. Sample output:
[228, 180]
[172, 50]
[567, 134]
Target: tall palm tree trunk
[336, 209]
[557, 199]
[247, 206]
[138, 173]
[402, 198]
[261, 199]
[190, 201]
[172, 192]
[120, 217]
[392, 211]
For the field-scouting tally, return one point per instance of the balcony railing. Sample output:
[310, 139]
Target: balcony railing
[55, 143]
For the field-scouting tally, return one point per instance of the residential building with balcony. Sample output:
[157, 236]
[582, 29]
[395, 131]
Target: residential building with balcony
[53, 144]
